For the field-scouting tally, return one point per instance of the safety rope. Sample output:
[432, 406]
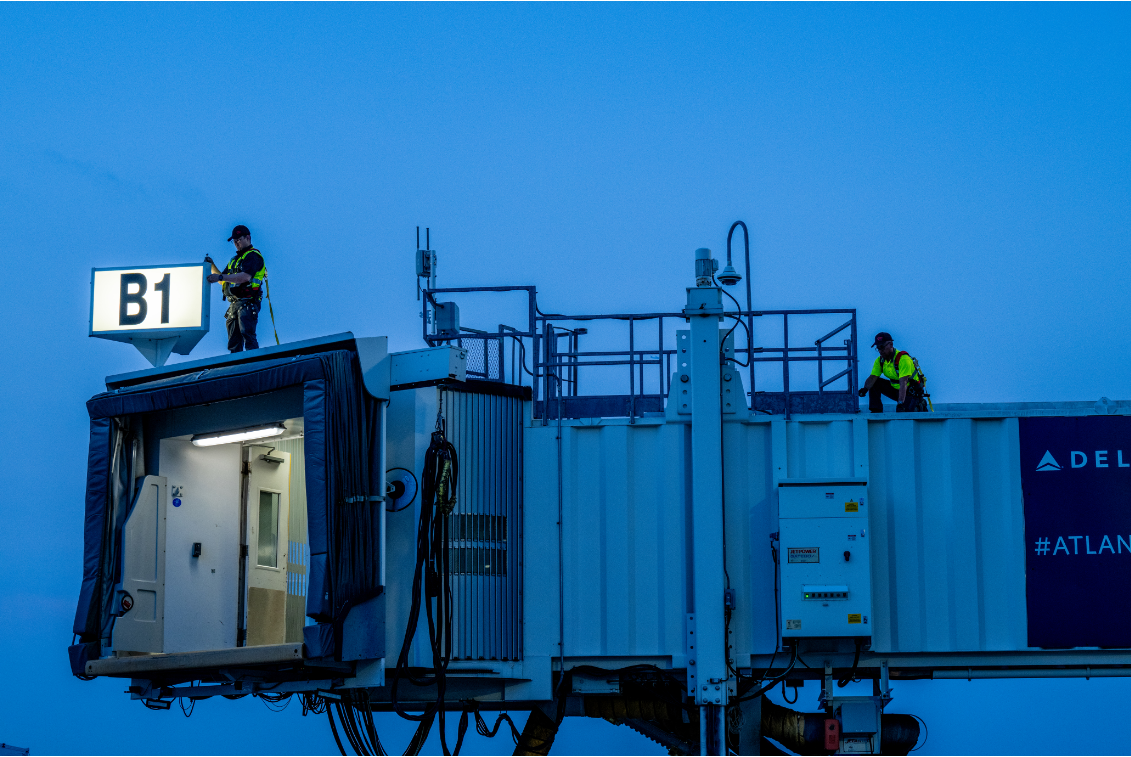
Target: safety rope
[270, 309]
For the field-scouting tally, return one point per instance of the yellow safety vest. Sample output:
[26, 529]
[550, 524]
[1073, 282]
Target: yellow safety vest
[234, 267]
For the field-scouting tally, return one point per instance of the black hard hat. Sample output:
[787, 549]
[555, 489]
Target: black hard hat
[239, 231]
[881, 337]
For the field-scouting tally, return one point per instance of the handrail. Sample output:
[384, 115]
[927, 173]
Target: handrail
[834, 332]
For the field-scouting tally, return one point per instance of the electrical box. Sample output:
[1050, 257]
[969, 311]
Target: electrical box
[825, 561]
[424, 262]
[860, 721]
[447, 319]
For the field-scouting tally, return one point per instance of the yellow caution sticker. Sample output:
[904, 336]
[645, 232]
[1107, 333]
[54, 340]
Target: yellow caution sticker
[854, 617]
[851, 507]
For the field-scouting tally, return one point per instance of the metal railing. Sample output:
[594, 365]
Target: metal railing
[558, 368]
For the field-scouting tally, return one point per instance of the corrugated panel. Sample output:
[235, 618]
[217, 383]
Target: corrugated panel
[948, 561]
[625, 536]
[298, 552]
[946, 523]
[820, 449]
[486, 526]
[751, 516]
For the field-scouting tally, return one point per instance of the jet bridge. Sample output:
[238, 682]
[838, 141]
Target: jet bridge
[649, 518]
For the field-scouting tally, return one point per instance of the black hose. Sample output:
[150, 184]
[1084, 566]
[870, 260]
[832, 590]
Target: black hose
[334, 729]
[482, 729]
[431, 583]
[855, 663]
[773, 681]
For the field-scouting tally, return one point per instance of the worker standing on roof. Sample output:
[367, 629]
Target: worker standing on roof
[243, 281]
[895, 375]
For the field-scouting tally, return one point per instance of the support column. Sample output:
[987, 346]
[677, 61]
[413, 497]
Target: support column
[704, 311]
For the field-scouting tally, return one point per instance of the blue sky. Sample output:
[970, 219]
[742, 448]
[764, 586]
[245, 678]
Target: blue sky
[957, 173]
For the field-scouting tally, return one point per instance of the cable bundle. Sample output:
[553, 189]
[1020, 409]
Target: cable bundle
[356, 716]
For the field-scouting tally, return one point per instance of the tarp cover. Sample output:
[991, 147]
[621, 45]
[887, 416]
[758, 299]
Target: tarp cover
[341, 429]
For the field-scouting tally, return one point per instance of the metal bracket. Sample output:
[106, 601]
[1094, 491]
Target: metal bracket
[885, 685]
[827, 690]
[732, 681]
[689, 648]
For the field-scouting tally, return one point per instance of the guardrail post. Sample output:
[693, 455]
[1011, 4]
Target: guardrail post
[785, 363]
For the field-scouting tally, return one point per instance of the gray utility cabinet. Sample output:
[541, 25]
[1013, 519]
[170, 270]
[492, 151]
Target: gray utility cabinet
[825, 560]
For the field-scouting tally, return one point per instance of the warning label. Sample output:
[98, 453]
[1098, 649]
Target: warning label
[804, 554]
[851, 507]
[854, 618]
[793, 625]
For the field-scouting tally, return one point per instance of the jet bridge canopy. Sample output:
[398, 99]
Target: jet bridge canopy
[323, 385]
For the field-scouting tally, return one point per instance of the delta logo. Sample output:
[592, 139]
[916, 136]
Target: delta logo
[1077, 459]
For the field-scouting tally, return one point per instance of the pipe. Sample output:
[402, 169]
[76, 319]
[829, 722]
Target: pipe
[746, 236]
[749, 306]
[804, 732]
[971, 673]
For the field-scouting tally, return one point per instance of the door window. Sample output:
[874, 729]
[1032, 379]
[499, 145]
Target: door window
[268, 552]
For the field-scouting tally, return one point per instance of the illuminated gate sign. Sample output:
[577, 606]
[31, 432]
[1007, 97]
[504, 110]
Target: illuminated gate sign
[159, 309]
[1076, 479]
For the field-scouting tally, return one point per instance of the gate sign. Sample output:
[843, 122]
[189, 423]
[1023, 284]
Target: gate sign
[160, 309]
[1076, 479]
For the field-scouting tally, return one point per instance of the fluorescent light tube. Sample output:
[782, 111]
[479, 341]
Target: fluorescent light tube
[239, 435]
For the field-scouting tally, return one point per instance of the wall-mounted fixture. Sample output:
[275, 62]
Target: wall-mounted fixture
[239, 435]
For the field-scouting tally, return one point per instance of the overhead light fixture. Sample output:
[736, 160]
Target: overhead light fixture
[239, 435]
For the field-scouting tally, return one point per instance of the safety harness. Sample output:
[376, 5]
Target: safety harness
[917, 376]
[257, 281]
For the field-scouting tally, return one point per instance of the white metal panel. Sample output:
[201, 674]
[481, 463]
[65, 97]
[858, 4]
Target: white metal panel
[624, 493]
[948, 519]
[412, 418]
[428, 365]
[820, 449]
[751, 516]
[945, 527]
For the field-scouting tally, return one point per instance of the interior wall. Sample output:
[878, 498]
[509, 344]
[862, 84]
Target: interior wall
[298, 553]
[201, 593]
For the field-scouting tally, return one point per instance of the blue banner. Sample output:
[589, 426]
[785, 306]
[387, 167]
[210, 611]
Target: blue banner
[1076, 478]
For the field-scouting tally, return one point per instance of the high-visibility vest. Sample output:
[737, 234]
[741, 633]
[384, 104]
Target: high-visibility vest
[256, 280]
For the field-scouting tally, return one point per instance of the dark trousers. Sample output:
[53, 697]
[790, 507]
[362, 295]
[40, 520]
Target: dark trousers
[241, 319]
[885, 388]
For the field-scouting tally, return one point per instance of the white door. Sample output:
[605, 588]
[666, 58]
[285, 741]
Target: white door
[268, 513]
[202, 545]
[141, 596]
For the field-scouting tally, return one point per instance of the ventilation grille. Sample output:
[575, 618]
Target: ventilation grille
[486, 525]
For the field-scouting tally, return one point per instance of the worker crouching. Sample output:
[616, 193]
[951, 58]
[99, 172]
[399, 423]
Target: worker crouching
[243, 283]
[895, 375]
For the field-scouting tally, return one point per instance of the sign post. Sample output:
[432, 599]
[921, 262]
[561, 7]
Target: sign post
[159, 309]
